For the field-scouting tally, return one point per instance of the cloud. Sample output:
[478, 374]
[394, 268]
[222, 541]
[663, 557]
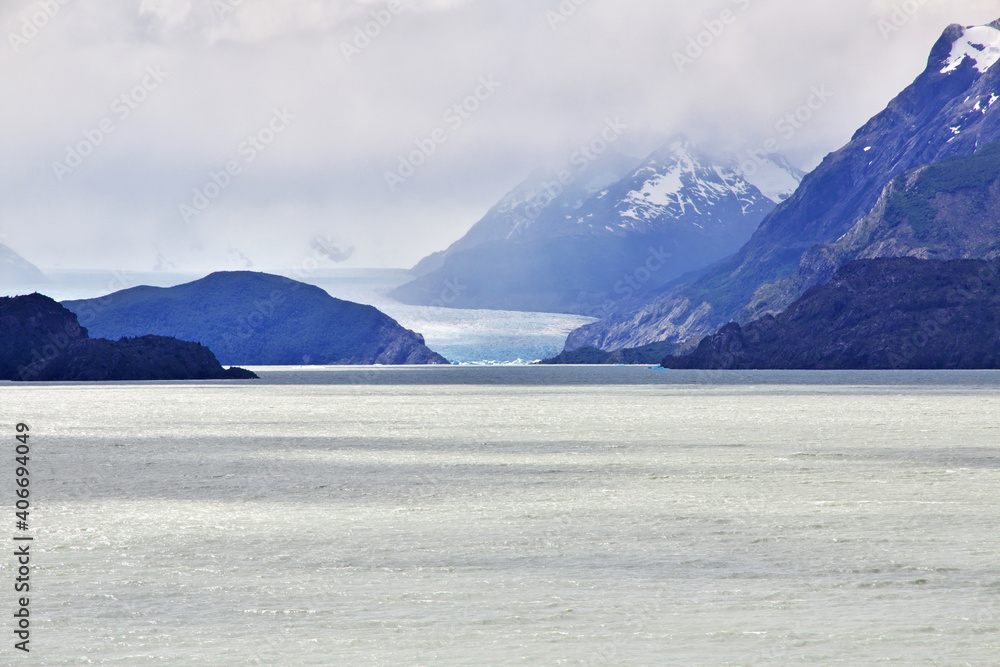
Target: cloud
[371, 82]
[330, 249]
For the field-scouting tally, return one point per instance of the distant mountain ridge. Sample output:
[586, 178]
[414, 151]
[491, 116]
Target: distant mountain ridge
[677, 185]
[16, 270]
[537, 207]
[587, 252]
[259, 319]
[948, 110]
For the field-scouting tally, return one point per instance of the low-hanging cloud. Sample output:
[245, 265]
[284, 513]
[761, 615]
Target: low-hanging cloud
[364, 83]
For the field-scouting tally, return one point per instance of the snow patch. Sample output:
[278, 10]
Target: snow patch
[661, 191]
[981, 43]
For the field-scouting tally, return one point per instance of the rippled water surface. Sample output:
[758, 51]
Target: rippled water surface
[506, 516]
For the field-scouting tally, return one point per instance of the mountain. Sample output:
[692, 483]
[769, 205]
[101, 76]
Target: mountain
[258, 319]
[947, 210]
[576, 249]
[679, 187]
[16, 270]
[537, 207]
[899, 313]
[948, 110]
[42, 340]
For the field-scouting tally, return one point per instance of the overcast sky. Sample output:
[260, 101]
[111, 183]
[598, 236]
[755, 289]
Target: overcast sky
[115, 114]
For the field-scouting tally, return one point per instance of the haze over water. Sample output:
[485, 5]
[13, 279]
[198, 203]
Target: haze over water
[536, 516]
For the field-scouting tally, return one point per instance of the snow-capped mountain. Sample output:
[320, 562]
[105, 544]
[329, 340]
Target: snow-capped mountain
[980, 45]
[536, 207]
[950, 109]
[605, 237]
[678, 186]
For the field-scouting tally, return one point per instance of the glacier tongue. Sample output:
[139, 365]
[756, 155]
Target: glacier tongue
[981, 43]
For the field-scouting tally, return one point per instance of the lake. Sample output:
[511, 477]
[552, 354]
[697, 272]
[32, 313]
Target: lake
[514, 516]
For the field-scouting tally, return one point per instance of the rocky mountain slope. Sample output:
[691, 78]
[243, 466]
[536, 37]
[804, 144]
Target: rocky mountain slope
[950, 109]
[587, 252]
[258, 319]
[42, 340]
[947, 210]
[900, 313]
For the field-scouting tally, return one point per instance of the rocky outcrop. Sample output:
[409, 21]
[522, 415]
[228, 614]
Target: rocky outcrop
[902, 313]
[648, 354]
[33, 330]
[145, 358]
[42, 340]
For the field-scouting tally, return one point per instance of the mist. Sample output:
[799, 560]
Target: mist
[222, 134]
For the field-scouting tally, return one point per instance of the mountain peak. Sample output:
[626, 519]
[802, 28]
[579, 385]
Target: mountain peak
[678, 145]
[980, 44]
[938, 116]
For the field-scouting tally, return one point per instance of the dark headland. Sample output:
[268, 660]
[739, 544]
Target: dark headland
[42, 340]
[889, 313]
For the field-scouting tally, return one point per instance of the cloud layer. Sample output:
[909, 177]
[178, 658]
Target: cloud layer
[207, 134]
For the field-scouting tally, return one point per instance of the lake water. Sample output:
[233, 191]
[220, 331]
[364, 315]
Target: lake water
[514, 516]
